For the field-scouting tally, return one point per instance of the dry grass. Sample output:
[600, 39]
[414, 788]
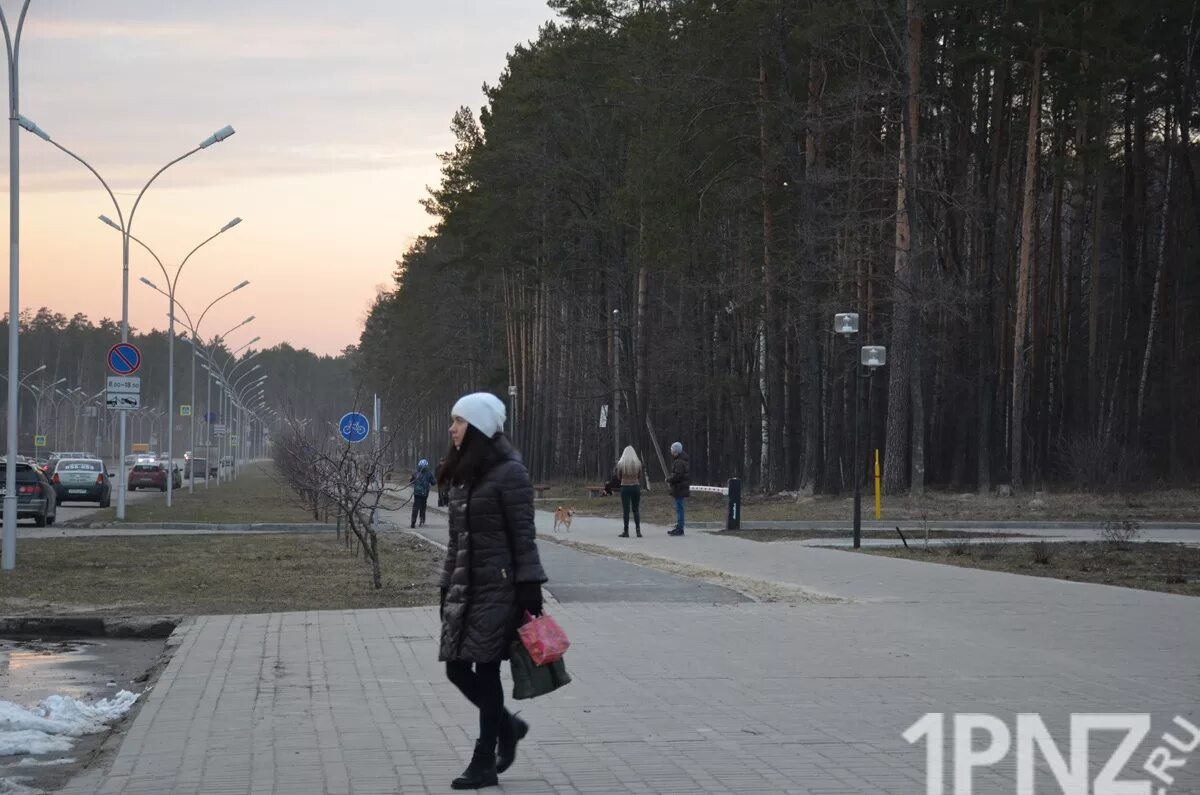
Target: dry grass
[1173, 568]
[659, 508]
[914, 537]
[214, 574]
[255, 495]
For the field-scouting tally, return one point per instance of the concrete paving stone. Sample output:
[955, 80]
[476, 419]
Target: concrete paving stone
[798, 696]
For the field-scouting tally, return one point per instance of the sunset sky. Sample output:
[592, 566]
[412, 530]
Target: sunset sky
[340, 107]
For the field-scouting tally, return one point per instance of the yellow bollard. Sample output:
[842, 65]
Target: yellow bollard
[878, 504]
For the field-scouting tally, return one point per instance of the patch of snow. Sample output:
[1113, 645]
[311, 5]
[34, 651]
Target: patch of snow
[12, 786]
[47, 727]
[27, 762]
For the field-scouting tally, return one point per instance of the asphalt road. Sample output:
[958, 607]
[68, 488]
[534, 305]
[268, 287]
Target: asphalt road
[577, 576]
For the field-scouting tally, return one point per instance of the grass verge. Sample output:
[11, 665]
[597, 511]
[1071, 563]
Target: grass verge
[255, 495]
[215, 574]
[1166, 505]
[1172, 568]
[914, 536]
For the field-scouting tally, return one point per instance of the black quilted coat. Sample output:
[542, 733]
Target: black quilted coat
[492, 547]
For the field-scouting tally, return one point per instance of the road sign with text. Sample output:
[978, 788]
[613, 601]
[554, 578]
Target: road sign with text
[124, 392]
[185, 411]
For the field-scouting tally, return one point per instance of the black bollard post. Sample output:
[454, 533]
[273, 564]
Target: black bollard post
[733, 520]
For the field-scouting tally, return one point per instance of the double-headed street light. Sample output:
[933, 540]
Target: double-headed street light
[125, 225]
[194, 328]
[172, 285]
[871, 357]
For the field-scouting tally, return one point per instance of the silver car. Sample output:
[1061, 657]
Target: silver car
[82, 480]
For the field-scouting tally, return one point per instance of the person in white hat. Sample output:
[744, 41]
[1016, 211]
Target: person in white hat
[492, 575]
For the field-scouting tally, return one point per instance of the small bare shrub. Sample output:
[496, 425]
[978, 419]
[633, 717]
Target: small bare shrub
[991, 548]
[1043, 552]
[1120, 534]
[960, 547]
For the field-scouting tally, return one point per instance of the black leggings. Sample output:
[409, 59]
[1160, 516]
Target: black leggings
[483, 688]
[631, 497]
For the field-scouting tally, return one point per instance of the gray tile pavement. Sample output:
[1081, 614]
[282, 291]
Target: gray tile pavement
[679, 697]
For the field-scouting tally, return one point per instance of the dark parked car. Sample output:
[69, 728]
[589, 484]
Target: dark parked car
[199, 464]
[153, 476]
[82, 480]
[35, 495]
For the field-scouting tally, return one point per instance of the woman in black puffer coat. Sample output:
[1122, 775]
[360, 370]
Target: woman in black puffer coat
[492, 575]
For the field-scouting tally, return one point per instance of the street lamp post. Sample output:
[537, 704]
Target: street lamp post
[125, 225]
[871, 357]
[8, 546]
[172, 285]
[194, 328]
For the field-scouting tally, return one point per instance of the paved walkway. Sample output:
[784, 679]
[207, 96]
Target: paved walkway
[810, 697]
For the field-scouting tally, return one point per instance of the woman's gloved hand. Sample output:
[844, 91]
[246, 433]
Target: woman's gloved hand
[529, 597]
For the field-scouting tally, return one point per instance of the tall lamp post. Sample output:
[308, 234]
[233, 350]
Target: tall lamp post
[124, 225]
[12, 43]
[194, 328]
[172, 285]
[871, 357]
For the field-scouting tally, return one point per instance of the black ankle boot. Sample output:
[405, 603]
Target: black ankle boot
[511, 733]
[481, 772]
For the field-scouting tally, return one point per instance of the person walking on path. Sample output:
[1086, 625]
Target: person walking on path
[629, 473]
[422, 481]
[492, 575]
[680, 482]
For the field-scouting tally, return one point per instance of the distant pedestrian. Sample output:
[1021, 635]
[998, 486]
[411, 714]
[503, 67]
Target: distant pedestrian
[680, 482]
[492, 575]
[629, 474]
[443, 489]
[422, 481]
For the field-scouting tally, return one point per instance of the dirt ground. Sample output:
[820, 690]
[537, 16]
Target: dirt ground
[657, 506]
[193, 575]
[1173, 568]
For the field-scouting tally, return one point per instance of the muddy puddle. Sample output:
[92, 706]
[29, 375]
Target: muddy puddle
[87, 669]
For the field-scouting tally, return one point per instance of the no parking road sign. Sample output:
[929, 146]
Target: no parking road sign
[124, 358]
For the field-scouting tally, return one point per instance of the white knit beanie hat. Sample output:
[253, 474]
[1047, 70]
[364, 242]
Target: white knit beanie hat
[676, 448]
[483, 410]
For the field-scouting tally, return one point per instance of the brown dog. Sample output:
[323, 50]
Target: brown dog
[563, 516]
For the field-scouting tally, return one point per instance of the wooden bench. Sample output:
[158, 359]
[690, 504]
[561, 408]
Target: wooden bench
[540, 489]
[595, 491]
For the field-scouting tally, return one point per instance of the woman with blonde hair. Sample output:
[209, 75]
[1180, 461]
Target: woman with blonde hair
[629, 473]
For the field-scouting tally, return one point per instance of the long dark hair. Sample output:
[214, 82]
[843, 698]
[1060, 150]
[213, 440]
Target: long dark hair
[463, 466]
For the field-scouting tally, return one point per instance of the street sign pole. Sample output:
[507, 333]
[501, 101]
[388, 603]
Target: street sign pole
[124, 359]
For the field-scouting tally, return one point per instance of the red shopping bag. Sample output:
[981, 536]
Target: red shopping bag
[544, 639]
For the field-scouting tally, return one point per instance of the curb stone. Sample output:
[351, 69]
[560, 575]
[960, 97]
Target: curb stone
[128, 627]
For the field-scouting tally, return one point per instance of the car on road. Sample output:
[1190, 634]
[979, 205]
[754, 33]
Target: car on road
[35, 495]
[82, 480]
[153, 475]
[200, 465]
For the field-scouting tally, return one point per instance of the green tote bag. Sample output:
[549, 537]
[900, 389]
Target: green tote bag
[531, 681]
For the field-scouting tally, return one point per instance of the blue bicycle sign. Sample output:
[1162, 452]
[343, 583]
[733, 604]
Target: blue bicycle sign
[354, 426]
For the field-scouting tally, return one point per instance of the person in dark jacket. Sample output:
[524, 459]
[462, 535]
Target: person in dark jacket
[680, 482]
[443, 488]
[421, 481]
[492, 575]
